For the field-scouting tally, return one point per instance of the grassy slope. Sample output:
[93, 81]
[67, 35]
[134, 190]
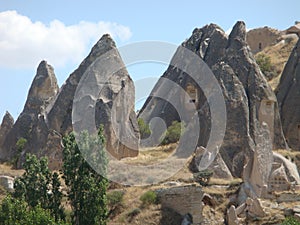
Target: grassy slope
[279, 55]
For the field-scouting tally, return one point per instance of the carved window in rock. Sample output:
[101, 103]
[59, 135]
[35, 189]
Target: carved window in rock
[193, 93]
[259, 46]
[298, 129]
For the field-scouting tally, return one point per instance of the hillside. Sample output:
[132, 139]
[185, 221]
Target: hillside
[279, 54]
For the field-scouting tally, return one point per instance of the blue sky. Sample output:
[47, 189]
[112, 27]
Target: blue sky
[63, 31]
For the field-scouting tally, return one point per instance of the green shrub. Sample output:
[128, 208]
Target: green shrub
[290, 221]
[133, 213]
[145, 131]
[265, 65]
[173, 133]
[203, 177]
[148, 198]
[18, 212]
[115, 198]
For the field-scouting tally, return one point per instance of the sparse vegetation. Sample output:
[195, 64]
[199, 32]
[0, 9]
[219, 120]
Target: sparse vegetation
[266, 66]
[149, 198]
[203, 177]
[173, 133]
[115, 202]
[145, 131]
[20, 145]
[290, 221]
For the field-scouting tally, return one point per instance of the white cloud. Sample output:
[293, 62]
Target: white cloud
[24, 43]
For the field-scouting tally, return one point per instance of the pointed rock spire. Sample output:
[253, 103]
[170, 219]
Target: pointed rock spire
[237, 37]
[43, 89]
[5, 127]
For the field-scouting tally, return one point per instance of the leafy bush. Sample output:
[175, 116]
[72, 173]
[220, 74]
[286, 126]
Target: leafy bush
[265, 65]
[173, 133]
[114, 203]
[203, 177]
[115, 198]
[18, 212]
[37, 186]
[145, 131]
[148, 198]
[290, 221]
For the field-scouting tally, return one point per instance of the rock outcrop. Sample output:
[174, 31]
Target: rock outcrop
[288, 96]
[6, 126]
[114, 107]
[31, 122]
[249, 100]
[47, 114]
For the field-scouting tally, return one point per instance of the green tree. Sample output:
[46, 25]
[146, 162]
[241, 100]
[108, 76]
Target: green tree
[20, 145]
[86, 187]
[17, 212]
[145, 131]
[34, 186]
[173, 133]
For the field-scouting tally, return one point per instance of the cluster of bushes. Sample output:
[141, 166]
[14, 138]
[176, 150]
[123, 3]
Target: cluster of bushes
[37, 198]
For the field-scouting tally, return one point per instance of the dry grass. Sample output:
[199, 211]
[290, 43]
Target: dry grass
[148, 156]
[279, 54]
[6, 169]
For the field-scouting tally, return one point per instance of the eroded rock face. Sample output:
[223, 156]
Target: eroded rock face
[47, 114]
[31, 122]
[249, 99]
[5, 127]
[114, 107]
[288, 96]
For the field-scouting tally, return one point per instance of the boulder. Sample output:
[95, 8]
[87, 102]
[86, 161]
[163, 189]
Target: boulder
[219, 168]
[288, 96]
[7, 182]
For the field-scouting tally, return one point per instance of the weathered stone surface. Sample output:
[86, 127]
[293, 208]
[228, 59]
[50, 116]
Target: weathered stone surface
[31, 122]
[5, 127]
[232, 218]
[290, 168]
[288, 96]
[249, 99]
[47, 114]
[114, 107]
[219, 168]
[184, 200]
[7, 182]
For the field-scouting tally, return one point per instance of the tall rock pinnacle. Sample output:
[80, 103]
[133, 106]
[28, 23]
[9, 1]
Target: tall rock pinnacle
[30, 124]
[288, 96]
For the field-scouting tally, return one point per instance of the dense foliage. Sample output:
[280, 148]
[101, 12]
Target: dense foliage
[37, 186]
[15, 211]
[86, 187]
